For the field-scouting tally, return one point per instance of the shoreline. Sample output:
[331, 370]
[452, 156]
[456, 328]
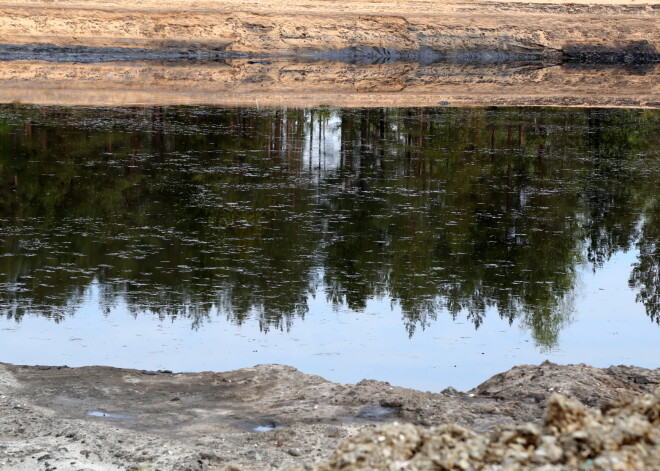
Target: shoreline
[298, 53]
[621, 30]
[243, 82]
[265, 417]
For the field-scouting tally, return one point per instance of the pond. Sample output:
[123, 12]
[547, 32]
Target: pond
[426, 247]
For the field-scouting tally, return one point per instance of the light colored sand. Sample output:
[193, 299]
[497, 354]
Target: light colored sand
[206, 421]
[283, 83]
[303, 29]
[297, 26]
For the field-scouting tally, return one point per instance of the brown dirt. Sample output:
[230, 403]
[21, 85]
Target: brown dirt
[101, 418]
[297, 27]
[411, 53]
[242, 82]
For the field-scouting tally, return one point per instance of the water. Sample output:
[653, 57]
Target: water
[108, 415]
[425, 247]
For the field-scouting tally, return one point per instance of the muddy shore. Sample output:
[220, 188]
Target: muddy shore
[266, 417]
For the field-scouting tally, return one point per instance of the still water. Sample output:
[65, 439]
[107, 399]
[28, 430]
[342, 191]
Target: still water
[425, 247]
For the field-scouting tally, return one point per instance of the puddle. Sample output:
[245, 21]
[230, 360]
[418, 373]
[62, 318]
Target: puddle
[109, 415]
[375, 413]
[261, 426]
[267, 428]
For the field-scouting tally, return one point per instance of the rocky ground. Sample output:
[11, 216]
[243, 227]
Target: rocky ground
[620, 436]
[272, 416]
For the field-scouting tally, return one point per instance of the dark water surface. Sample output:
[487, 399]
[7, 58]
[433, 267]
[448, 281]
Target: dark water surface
[426, 247]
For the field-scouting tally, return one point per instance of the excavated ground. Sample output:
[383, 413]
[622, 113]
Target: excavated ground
[310, 53]
[243, 82]
[386, 29]
[269, 416]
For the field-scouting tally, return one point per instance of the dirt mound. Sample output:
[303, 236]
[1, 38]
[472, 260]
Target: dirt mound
[272, 416]
[592, 386]
[622, 435]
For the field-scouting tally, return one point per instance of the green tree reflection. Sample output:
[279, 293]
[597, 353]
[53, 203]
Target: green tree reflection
[182, 212]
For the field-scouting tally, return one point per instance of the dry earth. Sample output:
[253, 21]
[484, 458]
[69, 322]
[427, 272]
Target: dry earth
[623, 435]
[367, 53]
[299, 27]
[101, 418]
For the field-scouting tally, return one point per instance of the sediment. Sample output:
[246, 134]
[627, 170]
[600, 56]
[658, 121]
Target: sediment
[406, 30]
[272, 416]
[244, 82]
[624, 435]
[299, 53]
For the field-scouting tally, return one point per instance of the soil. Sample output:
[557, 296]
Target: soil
[245, 82]
[327, 52]
[386, 29]
[271, 416]
[620, 436]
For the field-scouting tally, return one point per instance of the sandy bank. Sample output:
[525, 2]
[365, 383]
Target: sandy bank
[367, 53]
[242, 82]
[389, 30]
[100, 418]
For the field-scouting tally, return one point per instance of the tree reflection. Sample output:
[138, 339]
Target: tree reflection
[183, 212]
[645, 276]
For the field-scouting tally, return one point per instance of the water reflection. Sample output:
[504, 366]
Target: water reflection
[189, 212]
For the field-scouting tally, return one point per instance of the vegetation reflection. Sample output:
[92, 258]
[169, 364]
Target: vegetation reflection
[185, 212]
